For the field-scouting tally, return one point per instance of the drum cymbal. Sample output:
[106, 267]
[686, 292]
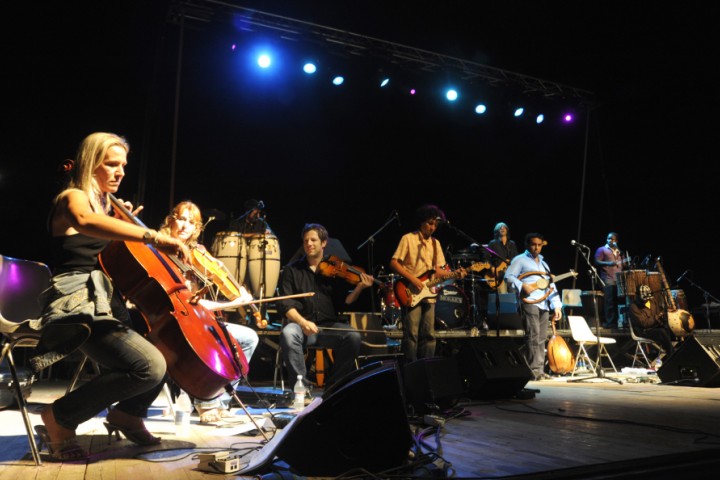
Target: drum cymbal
[214, 213]
[463, 257]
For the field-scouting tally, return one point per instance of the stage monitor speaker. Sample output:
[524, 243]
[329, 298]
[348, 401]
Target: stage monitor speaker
[432, 384]
[695, 362]
[509, 316]
[360, 423]
[492, 367]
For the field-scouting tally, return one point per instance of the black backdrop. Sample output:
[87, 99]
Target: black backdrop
[348, 157]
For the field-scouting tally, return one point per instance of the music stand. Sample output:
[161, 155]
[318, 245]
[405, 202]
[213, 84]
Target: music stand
[592, 271]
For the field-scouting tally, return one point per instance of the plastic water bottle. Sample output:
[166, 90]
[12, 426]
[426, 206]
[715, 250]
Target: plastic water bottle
[299, 391]
[183, 409]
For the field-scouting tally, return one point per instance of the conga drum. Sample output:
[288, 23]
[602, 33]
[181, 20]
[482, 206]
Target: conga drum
[263, 264]
[231, 249]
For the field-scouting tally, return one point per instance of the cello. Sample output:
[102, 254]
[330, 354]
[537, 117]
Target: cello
[202, 357]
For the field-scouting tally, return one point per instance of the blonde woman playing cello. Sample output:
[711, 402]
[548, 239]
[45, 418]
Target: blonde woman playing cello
[185, 223]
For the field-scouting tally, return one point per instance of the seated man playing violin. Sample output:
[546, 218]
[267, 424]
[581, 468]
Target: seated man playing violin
[314, 320]
[185, 223]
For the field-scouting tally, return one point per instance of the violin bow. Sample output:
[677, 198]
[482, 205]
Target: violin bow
[212, 305]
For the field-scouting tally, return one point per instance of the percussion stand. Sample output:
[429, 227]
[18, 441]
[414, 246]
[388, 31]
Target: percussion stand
[592, 271]
[474, 327]
[371, 246]
[494, 254]
[707, 296]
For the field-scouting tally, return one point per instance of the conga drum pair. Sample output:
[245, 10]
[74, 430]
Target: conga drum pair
[254, 257]
[629, 280]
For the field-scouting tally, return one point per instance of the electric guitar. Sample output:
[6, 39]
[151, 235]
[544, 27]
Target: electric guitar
[406, 295]
[496, 275]
[543, 283]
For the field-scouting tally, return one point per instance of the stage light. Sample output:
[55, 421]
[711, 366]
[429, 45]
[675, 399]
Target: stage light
[568, 118]
[451, 95]
[384, 82]
[264, 60]
[540, 119]
[518, 112]
[339, 80]
[480, 108]
[413, 91]
[309, 68]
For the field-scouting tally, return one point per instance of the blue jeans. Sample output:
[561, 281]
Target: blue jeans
[133, 371]
[248, 340]
[536, 327]
[345, 345]
[419, 332]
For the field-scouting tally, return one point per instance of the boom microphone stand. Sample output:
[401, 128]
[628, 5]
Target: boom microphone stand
[371, 244]
[707, 297]
[592, 271]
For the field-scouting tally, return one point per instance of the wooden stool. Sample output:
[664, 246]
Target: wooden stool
[320, 354]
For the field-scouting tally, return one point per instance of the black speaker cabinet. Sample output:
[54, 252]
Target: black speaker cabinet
[696, 362]
[360, 423]
[432, 384]
[509, 317]
[492, 367]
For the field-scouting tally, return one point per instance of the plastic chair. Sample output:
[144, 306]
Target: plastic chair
[582, 335]
[640, 357]
[21, 282]
[571, 299]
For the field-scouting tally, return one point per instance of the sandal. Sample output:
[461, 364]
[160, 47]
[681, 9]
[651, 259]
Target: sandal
[138, 436]
[213, 415]
[65, 450]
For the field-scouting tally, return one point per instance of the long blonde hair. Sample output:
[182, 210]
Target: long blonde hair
[89, 156]
[194, 211]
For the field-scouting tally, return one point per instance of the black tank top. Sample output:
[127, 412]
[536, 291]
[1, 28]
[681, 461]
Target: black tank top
[76, 253]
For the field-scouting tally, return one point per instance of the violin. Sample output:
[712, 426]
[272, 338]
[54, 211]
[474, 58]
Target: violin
[218, 274]
[335, 267]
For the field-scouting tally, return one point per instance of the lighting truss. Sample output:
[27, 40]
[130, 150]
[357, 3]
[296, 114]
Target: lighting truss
[347, 43]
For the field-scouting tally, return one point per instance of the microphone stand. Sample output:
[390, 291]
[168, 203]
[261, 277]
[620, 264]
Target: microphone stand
[371, 245]
[592, 271]
[474, 329]
[707, 297]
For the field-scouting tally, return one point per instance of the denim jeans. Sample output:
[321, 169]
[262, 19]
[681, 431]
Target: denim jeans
[132, 369]
[419, 332]
[248, 340]
[345, 345]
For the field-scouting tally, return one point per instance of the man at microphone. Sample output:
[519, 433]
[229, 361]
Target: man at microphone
[610, 260]
[253, 221]
[418, 260]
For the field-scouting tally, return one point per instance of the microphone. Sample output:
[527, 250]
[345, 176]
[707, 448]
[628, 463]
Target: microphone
[440, 221]
[260, 205]
[682, 276]
[578, 244]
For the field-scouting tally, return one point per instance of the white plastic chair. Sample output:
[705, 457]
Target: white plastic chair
[582, 335]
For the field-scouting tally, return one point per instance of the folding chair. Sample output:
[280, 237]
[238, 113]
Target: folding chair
[583, 336]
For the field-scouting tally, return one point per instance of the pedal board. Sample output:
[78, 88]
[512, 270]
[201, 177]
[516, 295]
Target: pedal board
[263, 397]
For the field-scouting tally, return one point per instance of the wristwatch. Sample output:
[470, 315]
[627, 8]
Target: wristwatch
[149, 236]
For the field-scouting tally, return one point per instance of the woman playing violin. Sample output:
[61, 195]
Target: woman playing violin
[83, 311]
[185, 223]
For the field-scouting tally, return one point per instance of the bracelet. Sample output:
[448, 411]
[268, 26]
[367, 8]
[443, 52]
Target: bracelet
[149, 236]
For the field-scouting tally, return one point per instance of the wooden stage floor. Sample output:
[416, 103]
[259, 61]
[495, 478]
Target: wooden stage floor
[592, 429]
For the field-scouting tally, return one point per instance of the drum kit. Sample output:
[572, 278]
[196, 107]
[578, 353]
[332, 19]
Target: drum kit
[255, 257]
